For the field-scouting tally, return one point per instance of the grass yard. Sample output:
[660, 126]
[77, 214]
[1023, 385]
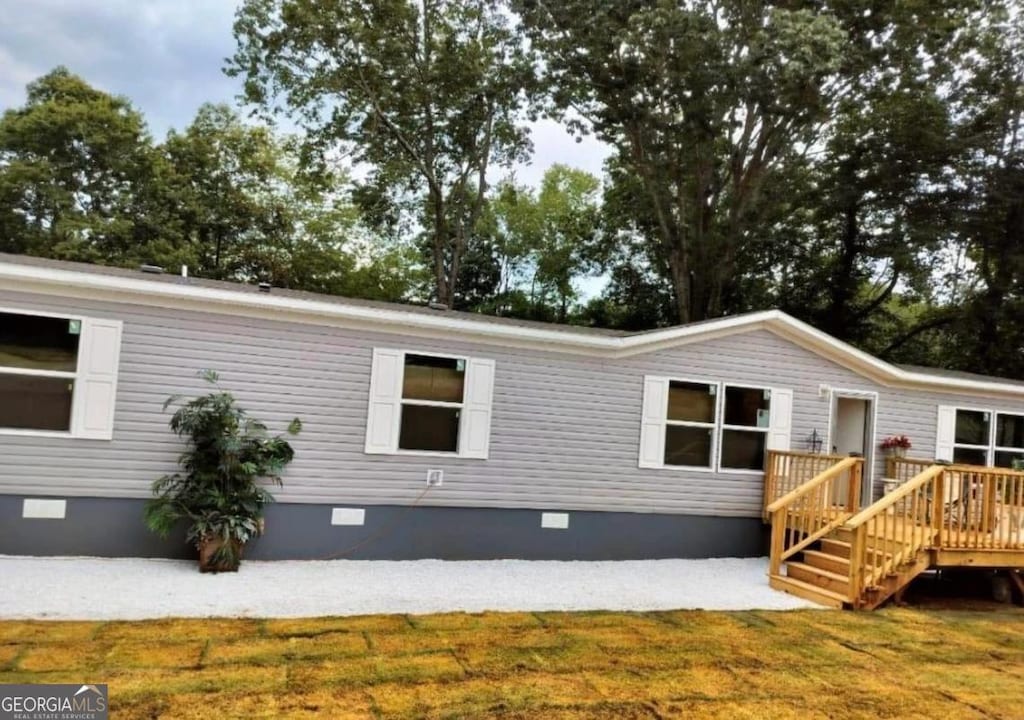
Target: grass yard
[805, 664]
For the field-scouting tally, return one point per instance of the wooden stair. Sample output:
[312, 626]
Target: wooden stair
[826, 549]
[821, 574]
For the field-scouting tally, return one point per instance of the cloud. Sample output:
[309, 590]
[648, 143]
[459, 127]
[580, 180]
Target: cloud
[166, 57]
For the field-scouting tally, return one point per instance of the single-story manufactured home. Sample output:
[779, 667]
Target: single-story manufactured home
[439, 434]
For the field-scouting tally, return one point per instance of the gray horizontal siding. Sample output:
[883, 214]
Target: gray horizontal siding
[565, 428]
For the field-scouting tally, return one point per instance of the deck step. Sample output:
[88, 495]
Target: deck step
[807, 591]
[841, 548]
[835, 546]
[811, 575]
[828, 561]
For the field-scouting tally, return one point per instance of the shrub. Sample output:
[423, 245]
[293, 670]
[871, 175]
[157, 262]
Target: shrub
[219, 490]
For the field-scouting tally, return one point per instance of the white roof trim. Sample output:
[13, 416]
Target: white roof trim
[58, 281]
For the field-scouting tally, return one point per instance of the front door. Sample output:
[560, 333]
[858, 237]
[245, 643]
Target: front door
[851, 433]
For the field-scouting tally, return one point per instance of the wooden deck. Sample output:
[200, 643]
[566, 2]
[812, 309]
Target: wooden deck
[828, 549]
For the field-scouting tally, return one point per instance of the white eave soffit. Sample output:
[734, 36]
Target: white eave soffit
[139, 290]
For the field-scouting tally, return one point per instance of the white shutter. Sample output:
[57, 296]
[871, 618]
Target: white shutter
[475, 423]
[780, 420]
[945, 433]
[384, 412]
[652, 422]
[96, 387]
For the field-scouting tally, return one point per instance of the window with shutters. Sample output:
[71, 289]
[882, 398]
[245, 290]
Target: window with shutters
[702, 425]
[38, 371]
[58, 374]
[426, 403]
[976, 436]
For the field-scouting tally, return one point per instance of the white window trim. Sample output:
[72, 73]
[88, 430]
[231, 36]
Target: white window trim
[995, 435]
[713, 426]
[460, 406]
[475, 409]
[64, 374]
[746, 428]
[80, 377]
[991, 449]
[988, 448]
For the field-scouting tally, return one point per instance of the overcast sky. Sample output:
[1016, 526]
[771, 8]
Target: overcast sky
[166, 57]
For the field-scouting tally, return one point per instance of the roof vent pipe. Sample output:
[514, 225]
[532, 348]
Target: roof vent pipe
[154, 269]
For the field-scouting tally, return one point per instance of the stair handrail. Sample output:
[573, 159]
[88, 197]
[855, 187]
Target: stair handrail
[863, 572]
[779, 509]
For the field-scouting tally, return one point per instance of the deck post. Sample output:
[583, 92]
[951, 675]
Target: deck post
[778, 545]
[769, 484]
[853, 490]
[858, 549]
[938, 506]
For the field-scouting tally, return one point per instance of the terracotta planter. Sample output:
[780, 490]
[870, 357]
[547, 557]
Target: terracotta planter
[209, 561]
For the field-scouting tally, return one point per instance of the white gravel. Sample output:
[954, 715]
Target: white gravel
[79, 588]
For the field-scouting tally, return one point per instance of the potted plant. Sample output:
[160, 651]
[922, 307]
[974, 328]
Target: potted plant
[219, 491]
[896, 445]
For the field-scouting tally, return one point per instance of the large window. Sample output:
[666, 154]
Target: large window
[704, 422]
[984, 437]
[432, 400]
[38, 365]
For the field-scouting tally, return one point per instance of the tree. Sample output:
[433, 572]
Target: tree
[430, 96]
[701, 102]
[855, 236]
[72, 161]
[989, 337]
[242, 202]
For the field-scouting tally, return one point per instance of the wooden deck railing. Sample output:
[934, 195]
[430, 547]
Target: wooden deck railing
[814, 509]
[982, 508]
[891, 531]
[787, 470]
[904, 468]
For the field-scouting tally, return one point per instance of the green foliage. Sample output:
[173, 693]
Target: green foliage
[701, 102]
[540, 244]
[429, 96]
[72, 160]
[218, 491]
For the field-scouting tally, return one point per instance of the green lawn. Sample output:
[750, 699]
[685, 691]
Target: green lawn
[806, 664]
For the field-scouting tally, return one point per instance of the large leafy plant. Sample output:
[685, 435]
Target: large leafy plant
[220, 488]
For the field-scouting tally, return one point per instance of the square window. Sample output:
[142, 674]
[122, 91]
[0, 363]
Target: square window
[685, 445]
[746, 406]
[743, 449]
[691, 402]
[428, 427]
[438, 379]
[39, 343]
[972, 427]
[28, 402]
